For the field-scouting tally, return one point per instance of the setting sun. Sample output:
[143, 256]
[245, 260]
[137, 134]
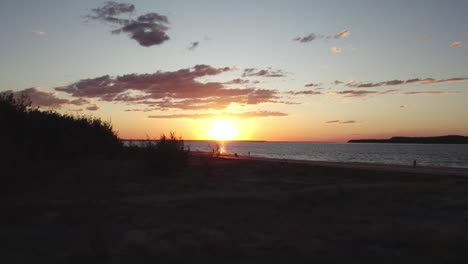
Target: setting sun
[223, 129]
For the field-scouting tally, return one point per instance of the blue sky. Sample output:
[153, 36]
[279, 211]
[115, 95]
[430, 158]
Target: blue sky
[49, 44]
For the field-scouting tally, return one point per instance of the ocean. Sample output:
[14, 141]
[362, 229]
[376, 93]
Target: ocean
[438, 155]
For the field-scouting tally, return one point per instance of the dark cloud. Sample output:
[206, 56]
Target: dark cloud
[193, 45]
[111, 9]
[148, 30]
[341, 122]
[314, 36]
[305, 92]
[180, 89]
[354, 93]
[92, 108]
[389, 91]
[362, 93]
[426, 81]
[308, 38]
[237, 81]
[235, 115]
[250, 72]
[43, 98]
[312, 85]
[431, 92]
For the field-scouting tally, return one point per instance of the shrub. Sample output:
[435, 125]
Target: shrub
[166, 154]
[31, 135]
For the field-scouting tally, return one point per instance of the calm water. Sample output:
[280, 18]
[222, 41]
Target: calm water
[403, 154]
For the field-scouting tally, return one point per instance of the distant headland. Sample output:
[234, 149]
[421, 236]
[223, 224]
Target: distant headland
[451, 139]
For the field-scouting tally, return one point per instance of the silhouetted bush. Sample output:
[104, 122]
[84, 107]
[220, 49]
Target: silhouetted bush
[160, 156]
[30, 135]
[166, 154]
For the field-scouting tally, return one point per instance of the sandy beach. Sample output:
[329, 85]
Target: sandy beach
[359, 165]
[239, 210]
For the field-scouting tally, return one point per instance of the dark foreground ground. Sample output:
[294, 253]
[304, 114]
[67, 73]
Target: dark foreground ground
[234, 211]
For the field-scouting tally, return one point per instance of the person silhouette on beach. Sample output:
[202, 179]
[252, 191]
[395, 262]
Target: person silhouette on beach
[414, 163]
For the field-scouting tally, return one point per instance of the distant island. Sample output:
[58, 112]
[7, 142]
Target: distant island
[417, 140]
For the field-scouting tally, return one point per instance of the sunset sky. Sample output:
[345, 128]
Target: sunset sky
[267, 70]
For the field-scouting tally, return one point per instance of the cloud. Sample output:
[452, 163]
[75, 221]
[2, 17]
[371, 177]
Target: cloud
[92, 108]
[312, 85]
[234, 115]
[336, 82]
[341, 34]
[456, 44]
[341, 122]
[179, 89]
[426, 81]
[148, 30]
[305, 92]
[362, 93]
[313, 36]
[43, 98]
[389, 91]
[308, 38]
[39, 32]
[250, 72]
[335, 50]
[431, 92]
[193, 45]
[354, 93]
[237, 81]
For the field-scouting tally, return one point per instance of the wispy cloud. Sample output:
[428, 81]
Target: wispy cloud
[341, 122]
[312, 85]
[251, 72]
[180, 89]
[313, 36]
[354, 93]
[341, 34]
[237, 81]
[305, 92]
[308, 38]
[426, 81]
[193, 45]
[211, 115]
[431, 92]
[148, 30]
[456, 44]
[335, 50]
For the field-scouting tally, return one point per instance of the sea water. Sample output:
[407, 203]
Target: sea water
[445, 155]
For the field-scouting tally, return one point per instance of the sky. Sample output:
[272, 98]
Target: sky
[248, 70]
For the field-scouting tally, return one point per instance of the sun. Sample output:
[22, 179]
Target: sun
[223, 129]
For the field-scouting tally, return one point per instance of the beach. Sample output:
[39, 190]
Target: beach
[239, 210]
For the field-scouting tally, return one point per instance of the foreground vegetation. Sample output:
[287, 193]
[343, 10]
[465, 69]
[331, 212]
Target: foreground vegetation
[37, 145]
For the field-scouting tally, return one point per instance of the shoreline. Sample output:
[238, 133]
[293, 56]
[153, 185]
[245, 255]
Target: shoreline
[351, 165]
